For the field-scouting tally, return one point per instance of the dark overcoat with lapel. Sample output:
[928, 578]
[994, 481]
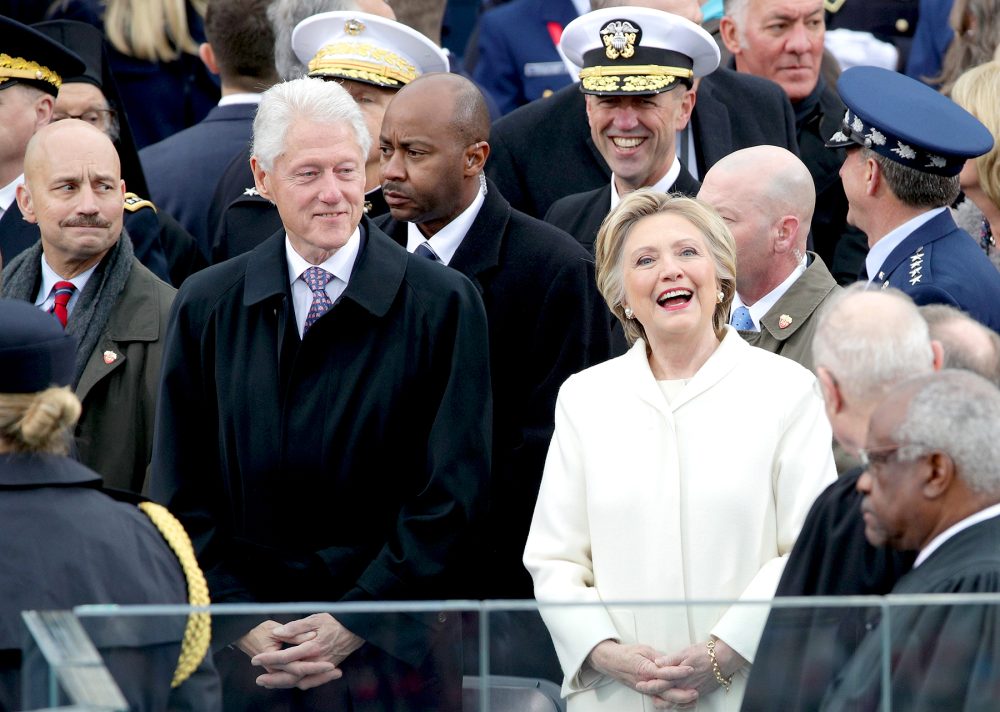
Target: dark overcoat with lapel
[182, 170]
[543, 151]
[347, 465]
[64, 543]
[581, 215]
[546, 322]
[939, 263]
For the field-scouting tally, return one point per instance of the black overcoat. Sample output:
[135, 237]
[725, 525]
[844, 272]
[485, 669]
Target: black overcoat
[546, 322]
[348, 465]
[543, 151]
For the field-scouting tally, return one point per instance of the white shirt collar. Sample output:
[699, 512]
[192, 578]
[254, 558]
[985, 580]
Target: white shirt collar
[881, 250]
[241, 98]
[8, 193]
[340, 264]
[763, 305]
[981, 516]
[49, 279]
[445, 242]
[662, 185]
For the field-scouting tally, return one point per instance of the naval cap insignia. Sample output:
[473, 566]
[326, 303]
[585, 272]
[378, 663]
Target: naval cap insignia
[354, 27]
[784, 321]
[620, 38]
[110, 357]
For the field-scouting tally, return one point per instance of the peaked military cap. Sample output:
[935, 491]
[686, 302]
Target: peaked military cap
[365, 48]
[636, 50]
[907, 122]
[29, 57]
[35, 351]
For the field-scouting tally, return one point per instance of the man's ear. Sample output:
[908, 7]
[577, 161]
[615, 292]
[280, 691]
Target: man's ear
[260, 178]
[207, 55]
[939, 476]
[23, 196]
[873, 176]
[831, 391]
[787, 227]
[474, 158]
[44, 106]
[730, 35]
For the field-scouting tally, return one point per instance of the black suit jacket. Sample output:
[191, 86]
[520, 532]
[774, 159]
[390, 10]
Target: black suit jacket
[546, 322]
[581, 215]
[543, 151]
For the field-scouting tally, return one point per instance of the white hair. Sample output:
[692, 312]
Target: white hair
[870, 341]
[956, 412]
[736, 9]
[284, 16]
[303, 100]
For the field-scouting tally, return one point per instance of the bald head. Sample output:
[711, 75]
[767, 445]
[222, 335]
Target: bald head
[766, 196]
[73, 190]
[688, 9]
[967, 344]
[433, 147]
[871, 340]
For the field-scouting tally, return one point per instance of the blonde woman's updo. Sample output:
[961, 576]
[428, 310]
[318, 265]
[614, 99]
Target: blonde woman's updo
[37, 408]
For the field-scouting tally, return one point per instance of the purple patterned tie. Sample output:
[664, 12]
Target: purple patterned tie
[317, 278]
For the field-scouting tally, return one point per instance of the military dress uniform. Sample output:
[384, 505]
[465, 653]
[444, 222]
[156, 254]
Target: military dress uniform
[929, 258]
[892, 21]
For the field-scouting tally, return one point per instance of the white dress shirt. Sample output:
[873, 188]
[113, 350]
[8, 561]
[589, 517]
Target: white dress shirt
[981, 516]
[8, 193]
[340, 265]
[662, 185]
[240, 98]
[444, 243]
[883, 248]
[763, 305]
[45, 299]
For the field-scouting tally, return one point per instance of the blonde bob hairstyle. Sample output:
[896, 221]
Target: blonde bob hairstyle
[978, 92]
[39, 422]
[609, 251]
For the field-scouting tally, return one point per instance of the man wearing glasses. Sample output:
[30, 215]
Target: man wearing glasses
[932, 485]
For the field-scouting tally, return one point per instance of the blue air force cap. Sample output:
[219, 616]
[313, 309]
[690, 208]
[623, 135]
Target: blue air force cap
[907, 122]
[35, 352]
[29, 57]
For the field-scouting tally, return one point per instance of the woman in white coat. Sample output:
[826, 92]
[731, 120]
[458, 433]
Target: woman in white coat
[680, 471]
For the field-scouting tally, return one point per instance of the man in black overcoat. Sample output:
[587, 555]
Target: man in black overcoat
[638, 98]
[932, 486]
[534, 145]
[324, 429]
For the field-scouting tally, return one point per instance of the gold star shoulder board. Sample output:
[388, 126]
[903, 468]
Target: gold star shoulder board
[198, 631]
[133, 203]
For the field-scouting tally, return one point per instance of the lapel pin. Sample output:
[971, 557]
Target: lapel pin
[784, 321]
[110, 357]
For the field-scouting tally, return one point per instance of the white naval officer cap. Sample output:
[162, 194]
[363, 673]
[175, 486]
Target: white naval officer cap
[365, 48]
[637, 50]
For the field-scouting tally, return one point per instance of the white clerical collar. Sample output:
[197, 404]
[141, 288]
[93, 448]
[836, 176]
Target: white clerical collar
[881, 250]
[663, 185]
[445, 242]
[241, 98]
[981, 516]
[8, 193]
[49, 279]
[763, 305]
[340, 264]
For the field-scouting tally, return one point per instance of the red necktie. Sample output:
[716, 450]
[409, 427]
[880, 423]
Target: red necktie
[62, 291]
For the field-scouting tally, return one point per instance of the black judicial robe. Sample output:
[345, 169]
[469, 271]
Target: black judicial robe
[801, 649]
[943, 657]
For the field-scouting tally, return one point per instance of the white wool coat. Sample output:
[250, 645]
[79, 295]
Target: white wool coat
[696, 500]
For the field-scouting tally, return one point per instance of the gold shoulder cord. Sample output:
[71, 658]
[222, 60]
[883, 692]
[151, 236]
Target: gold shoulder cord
[198, 632]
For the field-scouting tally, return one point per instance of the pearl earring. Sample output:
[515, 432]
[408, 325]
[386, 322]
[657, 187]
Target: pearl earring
[629, 314]
[721, 296]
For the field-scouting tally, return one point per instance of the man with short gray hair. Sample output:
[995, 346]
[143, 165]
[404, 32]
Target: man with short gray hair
[932, 485]
[324, 429]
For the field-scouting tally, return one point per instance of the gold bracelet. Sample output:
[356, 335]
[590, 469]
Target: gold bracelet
[726, 682]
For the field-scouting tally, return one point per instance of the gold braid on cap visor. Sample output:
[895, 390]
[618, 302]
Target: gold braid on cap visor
[365, 62]
[634, 77]
[20, 68]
